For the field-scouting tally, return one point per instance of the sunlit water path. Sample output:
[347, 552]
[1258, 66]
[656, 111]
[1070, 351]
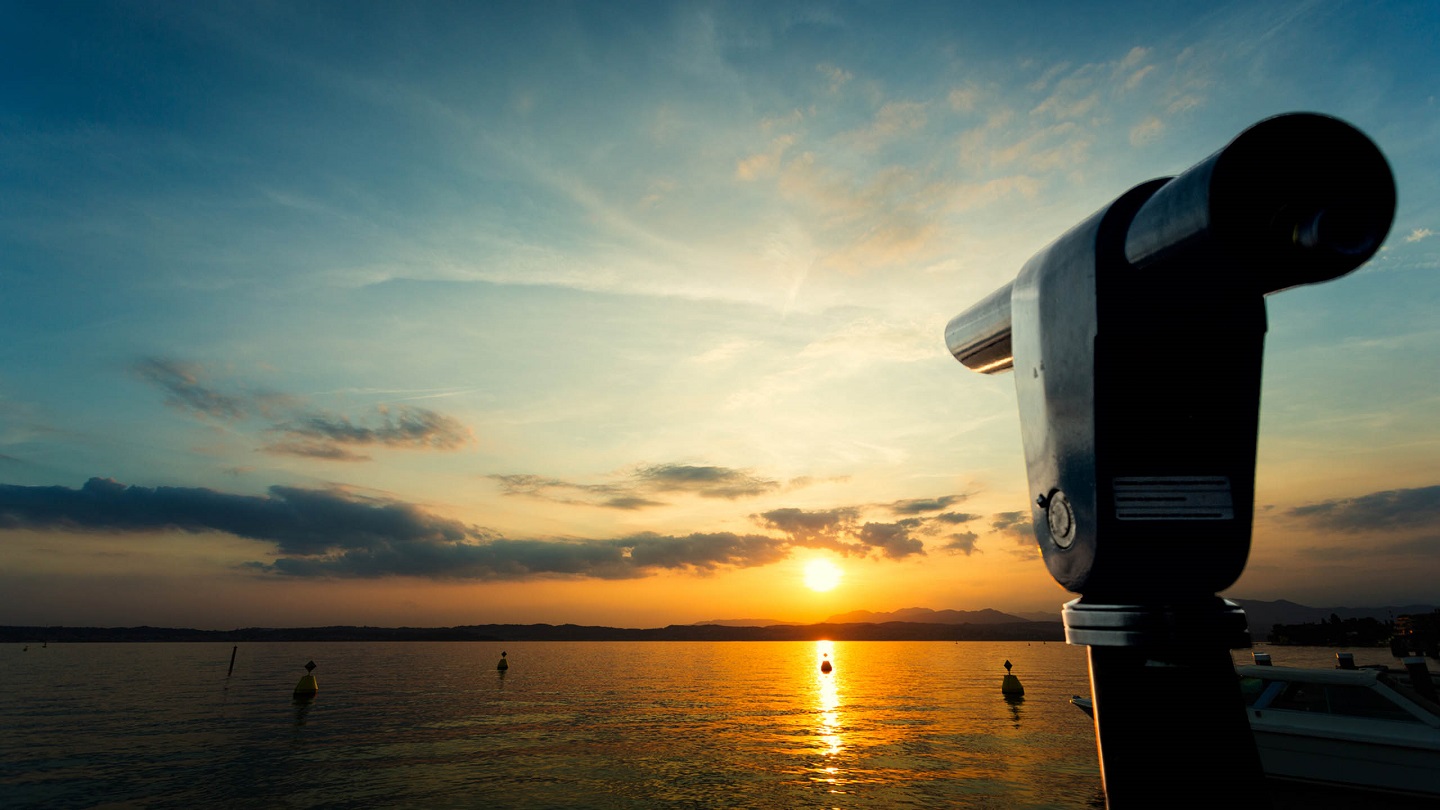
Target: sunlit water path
[597, 724]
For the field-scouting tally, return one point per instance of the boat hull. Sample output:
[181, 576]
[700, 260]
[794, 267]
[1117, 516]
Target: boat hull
[1310, 757]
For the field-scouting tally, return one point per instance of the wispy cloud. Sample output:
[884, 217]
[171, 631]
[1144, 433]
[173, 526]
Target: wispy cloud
[964, 99]
[837, 76]
[323, 435]
[1074, 112]
[539, 486]
[631, 490]
[1147, 131]
[861, 221]
[894, 119]
[1393, 509]
[903, 214]
[867, 339]
[1418, 234]
[301, 431]
[1040, 84]
[1073, 97]
[184, 388]
[705, 481]
[765, 163]
[919, 506]
[1423, 546]
[1077, 93]
[317, 450]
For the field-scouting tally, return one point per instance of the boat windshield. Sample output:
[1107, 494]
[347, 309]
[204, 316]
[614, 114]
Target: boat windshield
[1341, 699]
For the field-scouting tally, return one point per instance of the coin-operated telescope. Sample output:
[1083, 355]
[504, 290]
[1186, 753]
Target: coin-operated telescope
[1136, 341]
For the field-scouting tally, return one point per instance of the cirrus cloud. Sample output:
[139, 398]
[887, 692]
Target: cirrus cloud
[632, 491]
[301, 431]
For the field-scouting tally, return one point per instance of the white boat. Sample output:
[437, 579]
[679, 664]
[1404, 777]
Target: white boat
[1353, 728]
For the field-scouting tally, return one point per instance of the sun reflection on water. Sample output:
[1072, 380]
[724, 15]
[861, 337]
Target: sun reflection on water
[743, 724]
[828, 732]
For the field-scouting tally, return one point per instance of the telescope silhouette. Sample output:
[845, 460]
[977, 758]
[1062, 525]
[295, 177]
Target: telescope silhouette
[1136, 341]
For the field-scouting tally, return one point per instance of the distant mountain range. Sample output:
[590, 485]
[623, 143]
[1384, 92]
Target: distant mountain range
[744, 623]
[928, 616]
[908, 624]
[860, 631]
[1262, 615]
[915, 614]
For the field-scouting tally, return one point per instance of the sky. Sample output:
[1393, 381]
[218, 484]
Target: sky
[632, 314]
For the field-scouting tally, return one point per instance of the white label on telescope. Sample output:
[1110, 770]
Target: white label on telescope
[1179, 497]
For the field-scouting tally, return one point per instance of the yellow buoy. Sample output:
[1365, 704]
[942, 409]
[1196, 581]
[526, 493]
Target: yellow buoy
[307, 687]
[503, 665]
[1010, 686]
[825, 665]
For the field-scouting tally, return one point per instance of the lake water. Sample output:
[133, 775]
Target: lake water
[593, 725]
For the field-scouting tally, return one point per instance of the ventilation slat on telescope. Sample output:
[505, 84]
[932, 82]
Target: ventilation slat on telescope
[1180, 497]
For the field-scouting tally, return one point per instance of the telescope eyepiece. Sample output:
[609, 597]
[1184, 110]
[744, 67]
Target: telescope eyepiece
[1345, 231]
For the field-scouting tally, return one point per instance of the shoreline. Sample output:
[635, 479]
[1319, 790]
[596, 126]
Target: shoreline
[885, 631]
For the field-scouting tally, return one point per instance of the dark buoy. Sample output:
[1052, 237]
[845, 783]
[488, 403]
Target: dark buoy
[307, 687]
[1010, 686]
[503, 665]
[825, 665]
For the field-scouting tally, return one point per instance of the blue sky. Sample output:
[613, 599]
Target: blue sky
[456, 313]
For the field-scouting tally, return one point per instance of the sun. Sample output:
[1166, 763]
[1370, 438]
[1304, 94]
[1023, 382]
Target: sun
[822, 575]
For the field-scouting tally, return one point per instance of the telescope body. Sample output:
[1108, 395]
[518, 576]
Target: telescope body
[1136, 341]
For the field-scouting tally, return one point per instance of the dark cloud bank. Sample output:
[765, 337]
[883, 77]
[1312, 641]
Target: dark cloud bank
[338, 534]
[335, 533]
